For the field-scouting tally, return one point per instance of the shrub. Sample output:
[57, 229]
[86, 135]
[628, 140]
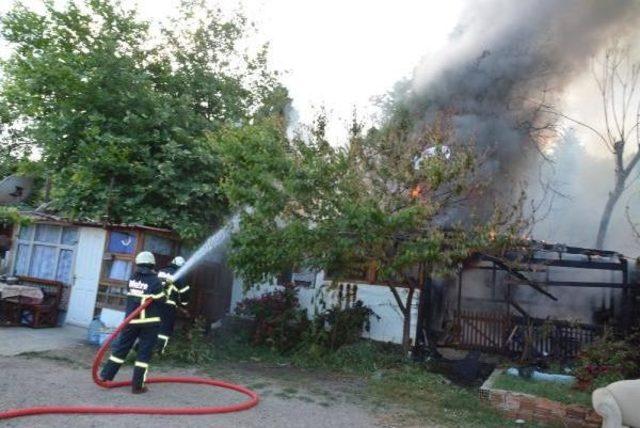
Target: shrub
[608, 360]
[339, 326]
[10, 216]
[279, 320]
[190, 345]
[363, 357]
[333, 339]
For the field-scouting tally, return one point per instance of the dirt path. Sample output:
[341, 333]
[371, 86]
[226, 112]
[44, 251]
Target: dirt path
[63, 378]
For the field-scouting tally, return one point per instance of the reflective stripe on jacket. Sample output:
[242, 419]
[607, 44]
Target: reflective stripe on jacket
[144, 284]
[177, 292]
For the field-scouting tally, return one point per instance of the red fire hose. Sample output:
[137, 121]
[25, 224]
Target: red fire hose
[50, 410]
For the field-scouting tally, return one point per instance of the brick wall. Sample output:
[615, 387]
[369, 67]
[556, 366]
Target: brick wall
[516, 405]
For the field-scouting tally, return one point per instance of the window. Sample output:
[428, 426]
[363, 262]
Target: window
[111, 296]
[301, 278]
[26, 232]
[285, 277]
[119, 270]
[365, 272]
[122, 243]
[119, 262]
[304, 278]
[46, 251]
[117, 267]
[158, 245]
[69, 236]
[161, 247]
[47, 233]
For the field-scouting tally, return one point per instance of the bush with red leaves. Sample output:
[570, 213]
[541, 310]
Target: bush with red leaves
[279, 319]
[608, 360]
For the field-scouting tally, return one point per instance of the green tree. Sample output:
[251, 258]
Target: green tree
[120, 114]
[393, 198]
[12, 152]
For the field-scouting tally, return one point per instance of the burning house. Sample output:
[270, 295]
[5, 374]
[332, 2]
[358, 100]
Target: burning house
[543, 300]
[502, 69]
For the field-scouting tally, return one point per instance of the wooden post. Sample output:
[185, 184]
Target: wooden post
[626, 303]
[493, 281]
[460, 289]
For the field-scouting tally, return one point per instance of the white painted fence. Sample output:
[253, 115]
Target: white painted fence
[386, 327]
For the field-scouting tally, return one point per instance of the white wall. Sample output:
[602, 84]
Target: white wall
[478, 294]
[88, 262]
[377, 297]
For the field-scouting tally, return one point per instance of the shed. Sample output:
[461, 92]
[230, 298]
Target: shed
[93, 260]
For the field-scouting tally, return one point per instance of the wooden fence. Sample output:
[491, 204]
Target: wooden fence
[512, 335]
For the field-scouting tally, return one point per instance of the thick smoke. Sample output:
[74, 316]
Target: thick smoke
[504, 61]
[581, 181]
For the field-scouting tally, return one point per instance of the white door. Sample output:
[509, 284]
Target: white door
[86, 275]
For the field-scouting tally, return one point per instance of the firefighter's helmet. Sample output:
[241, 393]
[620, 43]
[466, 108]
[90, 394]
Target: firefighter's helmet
[178, 261]
[145, 258]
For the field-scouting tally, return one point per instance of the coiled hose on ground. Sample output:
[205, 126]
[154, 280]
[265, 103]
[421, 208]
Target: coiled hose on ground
[51, 410]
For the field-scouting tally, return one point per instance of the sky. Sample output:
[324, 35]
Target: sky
[339, 54]
[335, 54]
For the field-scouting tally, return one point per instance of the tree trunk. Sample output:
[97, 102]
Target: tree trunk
[621, 174]
[406, 327]
[614, 196]
[47, 189]
[405, 309]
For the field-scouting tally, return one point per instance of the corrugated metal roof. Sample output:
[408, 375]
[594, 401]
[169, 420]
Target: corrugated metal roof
[92, 223]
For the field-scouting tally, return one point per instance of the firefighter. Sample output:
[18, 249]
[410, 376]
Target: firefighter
[144, 284]
[177, 294]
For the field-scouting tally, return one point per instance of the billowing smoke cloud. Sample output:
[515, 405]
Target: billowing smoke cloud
[581, 181]
[504, 60]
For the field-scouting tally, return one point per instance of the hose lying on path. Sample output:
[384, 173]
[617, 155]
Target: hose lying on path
[207, 410]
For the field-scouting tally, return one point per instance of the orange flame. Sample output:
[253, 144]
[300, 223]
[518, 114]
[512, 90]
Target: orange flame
[416, 191]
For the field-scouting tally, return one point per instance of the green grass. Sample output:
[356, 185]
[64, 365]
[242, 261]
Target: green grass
[429, 397]
[191, 349]
[284, 395]
[360, 359]
[289, 390]
[46, 355]
[382, 378]
[560, 392]
[259, 385]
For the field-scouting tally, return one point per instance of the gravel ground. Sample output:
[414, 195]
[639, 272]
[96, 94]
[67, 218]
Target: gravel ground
[63, 378]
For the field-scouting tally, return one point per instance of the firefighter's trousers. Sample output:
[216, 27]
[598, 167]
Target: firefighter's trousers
[168, 320]
[146, 335]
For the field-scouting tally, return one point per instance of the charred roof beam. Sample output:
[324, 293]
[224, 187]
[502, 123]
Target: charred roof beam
[577, 264]
[513, 272]
[560, 248]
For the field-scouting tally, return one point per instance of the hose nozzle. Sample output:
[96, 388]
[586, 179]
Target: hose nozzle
[166, 278]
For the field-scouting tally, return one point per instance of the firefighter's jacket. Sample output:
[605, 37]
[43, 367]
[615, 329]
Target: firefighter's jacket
[177, 292]
[144, 284]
